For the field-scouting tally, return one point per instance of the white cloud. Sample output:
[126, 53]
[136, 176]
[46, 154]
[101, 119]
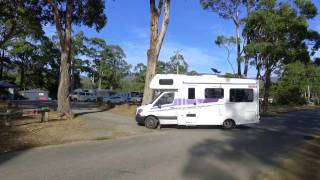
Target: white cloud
[199, 59]
[140, 32]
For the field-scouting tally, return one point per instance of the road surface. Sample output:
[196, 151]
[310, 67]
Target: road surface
[192, 153]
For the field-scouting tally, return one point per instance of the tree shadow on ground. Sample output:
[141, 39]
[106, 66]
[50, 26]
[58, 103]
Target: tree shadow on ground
[247, 151]
[9, 141]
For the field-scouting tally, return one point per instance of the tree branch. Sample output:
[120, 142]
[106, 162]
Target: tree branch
[159, 7]
[153, 6]
[59, 27]
[164, 26]
[7, 36]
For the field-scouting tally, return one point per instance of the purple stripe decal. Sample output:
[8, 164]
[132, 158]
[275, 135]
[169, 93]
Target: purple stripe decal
[178, 102]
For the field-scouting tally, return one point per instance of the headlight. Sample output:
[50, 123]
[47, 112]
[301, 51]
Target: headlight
[139, 111]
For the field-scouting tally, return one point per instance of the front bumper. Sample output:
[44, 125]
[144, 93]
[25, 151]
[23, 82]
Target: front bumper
[140, 119]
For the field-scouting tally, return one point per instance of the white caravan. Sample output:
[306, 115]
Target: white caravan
[201, 100]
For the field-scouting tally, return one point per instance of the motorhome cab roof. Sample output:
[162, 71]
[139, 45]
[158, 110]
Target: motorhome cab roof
[174, 81]
[201, 100]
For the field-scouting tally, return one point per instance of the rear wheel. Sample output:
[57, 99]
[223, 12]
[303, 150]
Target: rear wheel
[151, 122]
[228, 124]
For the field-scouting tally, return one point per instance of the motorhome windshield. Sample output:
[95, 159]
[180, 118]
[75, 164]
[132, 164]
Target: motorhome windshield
[156, 96]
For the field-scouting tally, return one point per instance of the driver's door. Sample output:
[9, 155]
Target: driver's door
[164, 109]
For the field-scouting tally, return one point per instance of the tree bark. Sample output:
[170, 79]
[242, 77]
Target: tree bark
[64, 87]
[156, 40]
[64, 33]
[1, 69]
[238, 49]
[267, 87]
[246, 60]
[2, 64]
[246, 65]
[22, 84]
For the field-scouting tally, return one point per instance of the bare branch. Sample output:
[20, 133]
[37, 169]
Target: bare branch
[153, 6]
[59, 27]
[8, 35]
[164, 26]
[160, 7]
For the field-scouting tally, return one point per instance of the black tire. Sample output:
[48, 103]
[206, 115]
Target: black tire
[151, 122]
[228, 124]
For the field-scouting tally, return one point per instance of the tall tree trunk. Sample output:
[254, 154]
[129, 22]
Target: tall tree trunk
[267, 87]
[156, 40]
[238, 49]
[64, 87]
[99, 82]
[1, 68]
[64, 33]
[22, 84]
[72, 76]
[246, 65]
[2, 59]
[246, 60]
[151, 70]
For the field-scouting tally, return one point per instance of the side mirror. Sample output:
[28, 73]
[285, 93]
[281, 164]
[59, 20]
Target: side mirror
[159, 106]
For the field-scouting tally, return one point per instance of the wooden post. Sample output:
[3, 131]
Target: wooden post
[44, 116]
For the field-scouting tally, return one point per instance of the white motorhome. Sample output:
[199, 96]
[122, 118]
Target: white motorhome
[201, 100]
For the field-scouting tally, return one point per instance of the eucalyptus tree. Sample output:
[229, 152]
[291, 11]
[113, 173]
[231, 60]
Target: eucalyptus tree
[115, 65]
[63, 14]
[277, 33]
[19, 17]
[24, 53]
[232, 10]
[177, 64]
[226, 42]
[157, 34]
[95, 49]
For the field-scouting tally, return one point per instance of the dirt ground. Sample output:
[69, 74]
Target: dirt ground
[93, 124]
[301, 165]
[285, 109]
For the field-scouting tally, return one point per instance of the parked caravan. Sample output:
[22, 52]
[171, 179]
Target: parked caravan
[201, 100]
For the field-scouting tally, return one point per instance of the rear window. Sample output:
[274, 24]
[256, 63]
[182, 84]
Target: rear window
[241, 95]
[191, 93]
[166, 81]
[216, 93]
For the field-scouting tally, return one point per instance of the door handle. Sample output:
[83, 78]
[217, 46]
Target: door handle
[191, 115]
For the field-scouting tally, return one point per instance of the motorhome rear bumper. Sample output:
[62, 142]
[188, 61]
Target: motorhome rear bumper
[140, 119]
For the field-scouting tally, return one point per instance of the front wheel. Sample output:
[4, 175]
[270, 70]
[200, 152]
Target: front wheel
[228, 124]
[151, 122]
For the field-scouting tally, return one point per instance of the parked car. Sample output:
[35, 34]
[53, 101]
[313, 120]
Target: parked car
[135, 100]
[83, 96]
[92, 98]
[114, 99]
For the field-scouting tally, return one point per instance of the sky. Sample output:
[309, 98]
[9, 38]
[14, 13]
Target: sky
[191, 30]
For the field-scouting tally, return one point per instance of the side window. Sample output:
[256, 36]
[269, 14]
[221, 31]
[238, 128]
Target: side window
[191, 93]
[166, 81]
[217, 93]
[241, 95]
[166, 99]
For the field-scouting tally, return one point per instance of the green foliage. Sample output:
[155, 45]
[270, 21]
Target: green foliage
[292, 87]
[177, 63]
[19, 17]
[307, 8]
[127, 86]
[108, 62]
[277, 35]
[85, 12]
[225, 9]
